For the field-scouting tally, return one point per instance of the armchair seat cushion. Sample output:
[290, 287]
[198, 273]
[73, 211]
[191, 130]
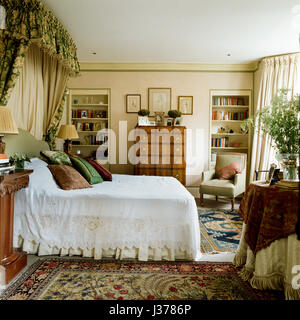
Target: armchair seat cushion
[218, 187]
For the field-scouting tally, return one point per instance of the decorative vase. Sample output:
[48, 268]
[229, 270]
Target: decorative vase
[290, 165]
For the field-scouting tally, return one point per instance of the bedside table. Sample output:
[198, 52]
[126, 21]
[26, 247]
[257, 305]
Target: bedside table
[12, 261]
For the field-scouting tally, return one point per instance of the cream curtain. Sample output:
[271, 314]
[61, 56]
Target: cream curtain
[38, 93]
[276, 73]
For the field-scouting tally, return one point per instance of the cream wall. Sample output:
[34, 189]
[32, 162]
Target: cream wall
[196, 84]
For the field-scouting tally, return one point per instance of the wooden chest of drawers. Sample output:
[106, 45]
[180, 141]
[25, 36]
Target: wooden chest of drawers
[160, 151]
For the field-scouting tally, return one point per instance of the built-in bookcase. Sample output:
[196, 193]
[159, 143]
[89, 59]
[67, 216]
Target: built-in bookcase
[89, 111]
[228, 109]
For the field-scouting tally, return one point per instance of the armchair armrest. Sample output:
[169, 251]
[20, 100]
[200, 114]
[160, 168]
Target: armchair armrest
[208, 175]
[240, 182]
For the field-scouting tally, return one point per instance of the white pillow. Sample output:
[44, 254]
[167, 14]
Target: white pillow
[35, 164]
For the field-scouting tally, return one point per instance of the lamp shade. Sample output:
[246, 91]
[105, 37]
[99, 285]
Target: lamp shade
[67, 132]
[7, 123]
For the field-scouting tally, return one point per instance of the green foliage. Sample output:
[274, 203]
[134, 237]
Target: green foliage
[280, 121]
[174, 114]
[144, 112]
[19, 159]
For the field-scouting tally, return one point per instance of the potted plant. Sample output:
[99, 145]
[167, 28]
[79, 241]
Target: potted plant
[281, 122]
[174, 114]
[18, 160]
[143, 116]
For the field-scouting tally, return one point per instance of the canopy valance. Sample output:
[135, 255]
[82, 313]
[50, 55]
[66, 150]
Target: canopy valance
[30, 21]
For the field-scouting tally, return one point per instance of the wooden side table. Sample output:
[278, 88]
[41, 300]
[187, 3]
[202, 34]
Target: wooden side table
[12, 261]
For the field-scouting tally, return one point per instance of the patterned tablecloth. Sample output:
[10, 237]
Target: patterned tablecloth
[269, 212]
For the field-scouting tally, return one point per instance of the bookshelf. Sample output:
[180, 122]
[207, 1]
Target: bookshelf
[89, 111]
[228, 109]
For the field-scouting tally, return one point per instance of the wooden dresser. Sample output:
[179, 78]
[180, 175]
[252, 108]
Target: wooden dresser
[160, 151]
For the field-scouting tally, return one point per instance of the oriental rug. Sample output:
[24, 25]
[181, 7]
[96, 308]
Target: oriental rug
[64, 278]
[220, 230]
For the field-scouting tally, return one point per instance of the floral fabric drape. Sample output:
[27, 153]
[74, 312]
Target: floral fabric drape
[12, 54]
[29, 21]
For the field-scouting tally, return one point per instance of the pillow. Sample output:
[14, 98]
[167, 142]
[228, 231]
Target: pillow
[228, 172]
[87, 170]
[105, 174]
[56, 157]
[67, 177]
[35, 163]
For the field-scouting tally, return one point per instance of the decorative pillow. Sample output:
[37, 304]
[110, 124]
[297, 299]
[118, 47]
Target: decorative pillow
[228, 172]
[56, 157]
[67, 177]
[105, 174]
[87, 170]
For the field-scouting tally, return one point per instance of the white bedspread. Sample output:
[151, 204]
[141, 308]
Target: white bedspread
[131, 212]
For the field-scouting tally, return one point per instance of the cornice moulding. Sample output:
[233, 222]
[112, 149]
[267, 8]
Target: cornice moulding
[184, 67]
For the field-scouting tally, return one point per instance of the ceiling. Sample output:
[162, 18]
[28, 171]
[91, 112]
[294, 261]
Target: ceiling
[180, 31]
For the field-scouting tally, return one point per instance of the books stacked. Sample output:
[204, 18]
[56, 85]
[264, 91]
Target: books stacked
[287, 184]
[5, 166]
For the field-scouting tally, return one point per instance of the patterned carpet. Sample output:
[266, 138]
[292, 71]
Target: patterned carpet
[220, 230]
[55, 278]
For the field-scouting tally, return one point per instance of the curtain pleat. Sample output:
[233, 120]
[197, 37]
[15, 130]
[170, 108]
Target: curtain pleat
[36, 101]
[277, 73]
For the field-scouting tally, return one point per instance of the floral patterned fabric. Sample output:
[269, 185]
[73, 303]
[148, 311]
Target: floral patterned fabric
[30, 21]
[86, 279]
[270, 213]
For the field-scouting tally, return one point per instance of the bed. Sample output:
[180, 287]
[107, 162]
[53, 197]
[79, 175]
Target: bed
[143, 217]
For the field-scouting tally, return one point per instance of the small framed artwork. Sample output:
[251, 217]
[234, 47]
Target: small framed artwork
[178, 121]
[169, 121]
[159, 100]
[143, 121]
[271, 173]
[133, 103]
[185, 105]
[159, 118]
[83, 114]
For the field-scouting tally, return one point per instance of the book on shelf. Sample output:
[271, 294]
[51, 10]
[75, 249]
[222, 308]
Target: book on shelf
[229, 101]
[225, 115]
[81, 113]
[219, 142]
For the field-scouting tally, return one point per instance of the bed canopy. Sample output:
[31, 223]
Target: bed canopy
[30, 26]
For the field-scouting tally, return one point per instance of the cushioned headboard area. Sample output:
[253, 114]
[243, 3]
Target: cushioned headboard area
[24, 142]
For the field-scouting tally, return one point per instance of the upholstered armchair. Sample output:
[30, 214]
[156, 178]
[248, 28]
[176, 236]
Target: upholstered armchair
[228, 179]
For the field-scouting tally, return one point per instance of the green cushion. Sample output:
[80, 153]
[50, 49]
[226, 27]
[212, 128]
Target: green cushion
[86, 170]
[56, 157]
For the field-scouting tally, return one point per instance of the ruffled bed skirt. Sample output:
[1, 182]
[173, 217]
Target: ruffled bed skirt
[142, 254]
[272, 267]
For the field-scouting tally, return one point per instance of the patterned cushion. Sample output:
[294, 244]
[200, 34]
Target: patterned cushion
[68, 178]
[229, 171]
[56, 157]
[87, 170]
[105, 174]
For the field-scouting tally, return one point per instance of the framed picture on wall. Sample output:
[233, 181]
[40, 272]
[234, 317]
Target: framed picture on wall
[133, 103]
[185, 105]
[159, 100]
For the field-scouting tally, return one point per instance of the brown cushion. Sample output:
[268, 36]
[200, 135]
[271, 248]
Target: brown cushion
[229, 171]
[67, 177]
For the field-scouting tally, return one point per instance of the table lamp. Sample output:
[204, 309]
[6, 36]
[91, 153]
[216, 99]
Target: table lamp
[67, 132]
[7, 125]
